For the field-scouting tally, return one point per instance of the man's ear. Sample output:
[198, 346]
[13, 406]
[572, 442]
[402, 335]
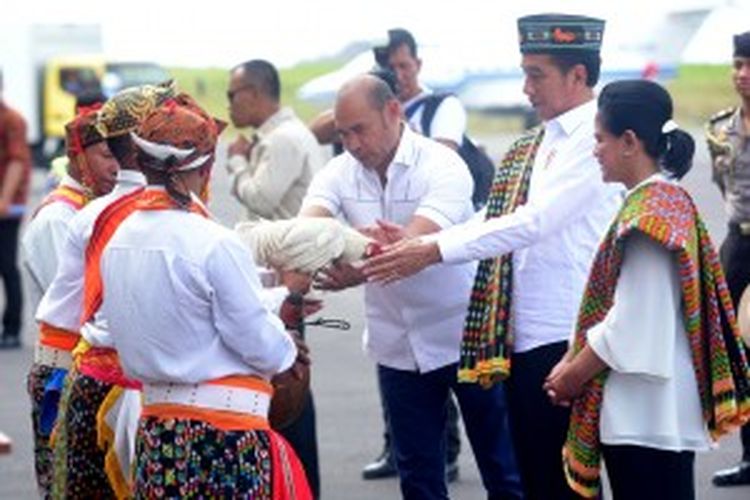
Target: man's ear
[393, 109]
[580, 74]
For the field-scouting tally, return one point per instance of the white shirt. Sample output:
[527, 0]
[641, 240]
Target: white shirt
[553, 236]
[42, 243]
[183, 302]
[415, 323]
[449, 121]
[651, 395]
[273, 181]
[62, 303]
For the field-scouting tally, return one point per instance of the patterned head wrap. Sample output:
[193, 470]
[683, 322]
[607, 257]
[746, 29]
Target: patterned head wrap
[177, 136]
[80, 133]
[123, 113]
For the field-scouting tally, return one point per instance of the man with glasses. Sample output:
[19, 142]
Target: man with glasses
[271, 172]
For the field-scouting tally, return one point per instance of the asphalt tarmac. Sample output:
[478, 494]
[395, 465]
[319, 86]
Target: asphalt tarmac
[348, 412]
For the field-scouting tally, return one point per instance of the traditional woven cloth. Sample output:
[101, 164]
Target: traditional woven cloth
[35, 385]
[488, 330]
[667, 214]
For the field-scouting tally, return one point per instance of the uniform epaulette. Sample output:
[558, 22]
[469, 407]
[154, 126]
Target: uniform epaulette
[722, 115]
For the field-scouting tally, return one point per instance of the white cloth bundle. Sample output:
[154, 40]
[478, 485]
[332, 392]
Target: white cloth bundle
[303, 244]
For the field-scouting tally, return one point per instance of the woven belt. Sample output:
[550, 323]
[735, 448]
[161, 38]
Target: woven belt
[52, 357]
[209, 396]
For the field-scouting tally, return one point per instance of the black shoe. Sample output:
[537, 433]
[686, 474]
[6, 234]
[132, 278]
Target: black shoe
[381, 468]
[735, 476]
[451, 472]
[10, 342]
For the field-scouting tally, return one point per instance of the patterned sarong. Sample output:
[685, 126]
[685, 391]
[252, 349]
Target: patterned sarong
[488, 334]
[666, 213]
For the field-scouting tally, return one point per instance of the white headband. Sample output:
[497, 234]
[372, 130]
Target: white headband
[163, 151]
[669, 126]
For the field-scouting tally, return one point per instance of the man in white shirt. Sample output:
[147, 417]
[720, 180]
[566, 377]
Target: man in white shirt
[448, 124]
[389, 172]
[270, 173]
[538, 236]
[90, 172]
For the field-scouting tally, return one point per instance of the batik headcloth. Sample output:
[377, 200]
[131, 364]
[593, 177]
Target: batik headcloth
[123, 113]
[177, 136]
[81, 132]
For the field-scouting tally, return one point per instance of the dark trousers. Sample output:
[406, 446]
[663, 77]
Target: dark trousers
[303, 437]
[640, 473]
[417, 407]
[11, 277]
[452, 434]
[539, 428]
[735, 259]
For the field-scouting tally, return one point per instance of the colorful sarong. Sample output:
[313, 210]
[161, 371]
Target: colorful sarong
[79, 462]
[35, 384]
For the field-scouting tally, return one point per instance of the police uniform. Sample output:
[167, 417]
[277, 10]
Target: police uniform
[729, 146]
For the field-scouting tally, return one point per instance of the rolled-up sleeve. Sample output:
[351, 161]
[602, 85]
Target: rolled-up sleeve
[637, 335]
[244, 323]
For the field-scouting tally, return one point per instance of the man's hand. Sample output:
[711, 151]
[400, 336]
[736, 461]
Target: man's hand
[384, 232]
[337, 277]
[401, 260]
[240, 146]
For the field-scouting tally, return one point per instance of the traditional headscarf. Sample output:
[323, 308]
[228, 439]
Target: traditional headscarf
[125, 111]
[178, 136]
[80, 133]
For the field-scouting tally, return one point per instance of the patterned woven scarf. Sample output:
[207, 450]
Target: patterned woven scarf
[666, 213]
[487, 338]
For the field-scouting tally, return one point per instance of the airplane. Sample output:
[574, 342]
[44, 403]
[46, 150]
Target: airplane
[487, 77]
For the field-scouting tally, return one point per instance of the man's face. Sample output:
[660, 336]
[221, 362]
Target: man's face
[369, 134]
[103, 167]
[406, 67]
[242, 99]
[741, 76]
[550, 91]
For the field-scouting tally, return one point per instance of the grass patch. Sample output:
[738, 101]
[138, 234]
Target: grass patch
[698, 92]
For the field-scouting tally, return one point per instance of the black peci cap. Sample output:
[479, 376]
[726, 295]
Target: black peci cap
[550, 33]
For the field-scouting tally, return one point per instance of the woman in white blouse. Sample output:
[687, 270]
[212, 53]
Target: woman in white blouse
[655, 370]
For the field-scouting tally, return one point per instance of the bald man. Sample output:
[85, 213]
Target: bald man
[389, 173]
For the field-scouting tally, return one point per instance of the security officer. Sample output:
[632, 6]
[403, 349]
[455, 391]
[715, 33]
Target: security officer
[728, 135]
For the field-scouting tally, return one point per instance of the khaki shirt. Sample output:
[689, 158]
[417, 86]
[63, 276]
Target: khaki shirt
[729, 145]
[272, 182]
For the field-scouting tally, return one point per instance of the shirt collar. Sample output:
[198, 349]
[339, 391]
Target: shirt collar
[70, 182]
[274, 121]
[572, 119]
[405, 149]
[131, 177]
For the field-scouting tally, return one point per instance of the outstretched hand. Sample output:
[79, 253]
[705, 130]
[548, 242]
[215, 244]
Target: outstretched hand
[337, 277]
[401, 260]
[384, 232]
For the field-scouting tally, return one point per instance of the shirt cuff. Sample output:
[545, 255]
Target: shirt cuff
[452, 250]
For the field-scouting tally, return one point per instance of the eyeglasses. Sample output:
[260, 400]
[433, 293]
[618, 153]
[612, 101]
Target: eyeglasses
[232, 93]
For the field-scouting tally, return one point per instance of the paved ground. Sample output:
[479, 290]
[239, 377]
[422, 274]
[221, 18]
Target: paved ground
[349, 424]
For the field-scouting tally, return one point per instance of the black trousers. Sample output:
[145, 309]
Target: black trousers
[537, 426]
[11, 276]
[735, 259]
[640, 473]
[452, 434]
[303, 437]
